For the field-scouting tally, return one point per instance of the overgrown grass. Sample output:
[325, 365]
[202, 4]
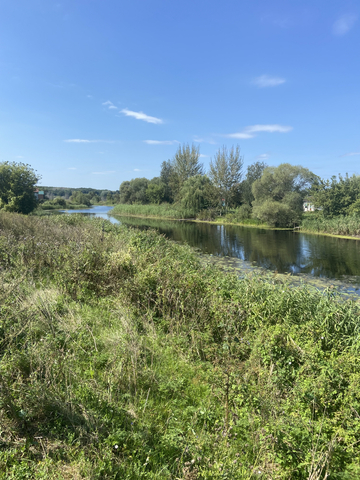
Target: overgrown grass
[341, 225]
[164, 210]
[123, 356]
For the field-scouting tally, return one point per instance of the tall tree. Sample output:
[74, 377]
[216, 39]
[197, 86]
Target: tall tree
[166, 176]
[17, 184]
[254, 172]
[185, 164]
[226, 172]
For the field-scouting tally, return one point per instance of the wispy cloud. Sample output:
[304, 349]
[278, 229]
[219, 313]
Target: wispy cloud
[19, 156]
[203, 156]
[267, 81]
[263, 156]
[83, 140]
[351, 154]
[204, 140]
[71, 168]
[137, 170]
[107, 103]
[141, 116]
[344, 24]
[251, 131]
[161, 142]
[104, 173]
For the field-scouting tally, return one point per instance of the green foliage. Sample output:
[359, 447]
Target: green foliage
[185, 164]
[17, 185]
[340, 225]
[134, 192]
[198, 193]
[254, 172]
[279, 194]
[165, 210]
[337, 197]
[156, 191]
[124, 355]
[225, 174]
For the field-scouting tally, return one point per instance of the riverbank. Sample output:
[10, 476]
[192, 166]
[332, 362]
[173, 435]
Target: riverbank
[128, 357]
[342, 227]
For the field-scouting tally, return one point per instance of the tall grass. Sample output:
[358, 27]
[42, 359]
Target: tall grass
[341, 225]
[165, 210]
[123, 356]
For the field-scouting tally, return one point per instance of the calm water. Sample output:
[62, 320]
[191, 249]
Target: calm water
[282, 251]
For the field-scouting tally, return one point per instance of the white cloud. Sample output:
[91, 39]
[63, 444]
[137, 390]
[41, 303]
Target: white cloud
[112, 107]
[267, 81]
[71, 168]
[103, 173]
[107, 103]
[137, 170]
[251, 131]
[83, 140]
[89, 96]
[263, 156]
[203, 156]
[141, 116]
[161, 142]
[344, 24]
[204, 140]
[19, 156]
[351, 154]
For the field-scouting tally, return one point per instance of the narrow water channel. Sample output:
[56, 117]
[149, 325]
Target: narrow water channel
[326, 260]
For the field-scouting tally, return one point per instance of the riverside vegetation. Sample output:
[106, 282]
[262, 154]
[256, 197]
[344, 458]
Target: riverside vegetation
[124, 356]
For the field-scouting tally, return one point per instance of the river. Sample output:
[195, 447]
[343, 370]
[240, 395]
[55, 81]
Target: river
[325, 260]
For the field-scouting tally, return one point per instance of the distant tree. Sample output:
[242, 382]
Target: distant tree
[17, 185]
[155, 191]
[59, 201]
[280, 192]
[166, 177]
[226, 172]
[79, 198]
[337, 196]
[185, 164]
[198, 193]
[254, 172]
[134, 191]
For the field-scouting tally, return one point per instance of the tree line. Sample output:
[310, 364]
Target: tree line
[274, 195]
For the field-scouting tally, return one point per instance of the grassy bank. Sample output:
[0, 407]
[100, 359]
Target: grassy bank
[123, 356]
[165, 210]
[341, 225]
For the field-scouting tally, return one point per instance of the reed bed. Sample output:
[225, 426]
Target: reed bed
[341, 225]
[163, 210]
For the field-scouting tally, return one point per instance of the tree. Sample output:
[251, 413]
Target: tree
[17, 185]
[134, 191]
[280, 192]
[166, 178]
[155, 191]
[185, 164]
[337, 196]
[254, 172]
[198, 193]
[226, 172]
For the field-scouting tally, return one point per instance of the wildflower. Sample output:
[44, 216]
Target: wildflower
[116, 447]
[289, 363]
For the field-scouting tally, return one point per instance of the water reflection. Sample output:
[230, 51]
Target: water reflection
[282, 251]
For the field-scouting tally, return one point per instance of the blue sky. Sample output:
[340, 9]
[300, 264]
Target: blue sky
[95, 92]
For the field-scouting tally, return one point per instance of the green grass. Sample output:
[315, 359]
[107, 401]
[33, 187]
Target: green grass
[164, 210]
[124, 356]
[341, 225]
